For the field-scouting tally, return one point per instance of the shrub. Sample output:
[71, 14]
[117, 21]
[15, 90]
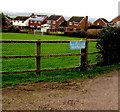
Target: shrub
[81, 34]
[109, 45]
[95, 27]
[12, 29]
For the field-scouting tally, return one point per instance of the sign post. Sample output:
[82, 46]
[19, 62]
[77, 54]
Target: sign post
[83, 45]
[84, 62]
[38, 51]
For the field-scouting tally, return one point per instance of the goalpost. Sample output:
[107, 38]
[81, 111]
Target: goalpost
[41, 31]
[36, 31]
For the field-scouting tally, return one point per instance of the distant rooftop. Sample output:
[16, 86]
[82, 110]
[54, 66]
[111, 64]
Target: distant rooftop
[75, 19]
[21, 18]
[105, 20]
[40, 18]
[54, 17]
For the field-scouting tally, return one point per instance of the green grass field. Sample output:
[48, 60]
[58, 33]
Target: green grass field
[9, 49]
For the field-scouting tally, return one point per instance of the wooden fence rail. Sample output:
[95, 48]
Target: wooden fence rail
[38, 56]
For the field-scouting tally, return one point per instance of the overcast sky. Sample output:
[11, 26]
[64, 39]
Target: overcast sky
[93, 8]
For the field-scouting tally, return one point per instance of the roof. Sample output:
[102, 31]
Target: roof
[116, 19]
[23, 18]
[105, 20]
[75, 19]
[63, 24]
[35, 15]
[8, 17]
[54, 17]
[40, 18]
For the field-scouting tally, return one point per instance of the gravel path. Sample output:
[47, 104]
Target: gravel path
[98, 93]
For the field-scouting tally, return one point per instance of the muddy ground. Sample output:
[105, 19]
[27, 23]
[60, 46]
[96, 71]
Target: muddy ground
[98, 93]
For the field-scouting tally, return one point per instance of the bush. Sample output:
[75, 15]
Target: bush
[109, 45]
[81, 34]
[95, 27]
[12, 29]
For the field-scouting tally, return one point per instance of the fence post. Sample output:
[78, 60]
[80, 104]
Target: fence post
[38, 51]
[84, 58]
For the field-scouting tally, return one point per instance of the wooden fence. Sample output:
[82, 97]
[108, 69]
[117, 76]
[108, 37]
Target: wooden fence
[83, 54]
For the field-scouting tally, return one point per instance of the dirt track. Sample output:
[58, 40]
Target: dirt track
[98, 93]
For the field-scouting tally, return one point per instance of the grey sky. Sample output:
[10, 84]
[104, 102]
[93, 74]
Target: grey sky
[92, 8]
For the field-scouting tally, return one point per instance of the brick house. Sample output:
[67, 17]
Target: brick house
[102, 22]
[37, 20]
[76, 22]
[8, 21]
[116, 22]
[55, 20]
[63, 26]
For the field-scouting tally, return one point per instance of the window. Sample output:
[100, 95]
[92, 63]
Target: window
[48, 21]
[98, 24]
[70, 23]
[54, 22]
[76, 23]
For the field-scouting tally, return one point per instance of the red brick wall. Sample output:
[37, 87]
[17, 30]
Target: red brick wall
[60, 20]
[81, 25]
[38, 24]
[101, 23]
[34, 24]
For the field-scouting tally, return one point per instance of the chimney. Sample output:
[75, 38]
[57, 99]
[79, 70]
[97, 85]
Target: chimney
[86, 23]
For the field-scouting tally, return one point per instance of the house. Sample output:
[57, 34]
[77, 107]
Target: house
[21, 21]
[55, 20]
[8, 21]
[63, 26]
[5, 22]
[116, 22]
[37, 20]
[77, 22]
[102, 22]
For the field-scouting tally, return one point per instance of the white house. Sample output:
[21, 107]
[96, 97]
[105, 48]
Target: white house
[21, 21]
[45, 27]
[118, 23]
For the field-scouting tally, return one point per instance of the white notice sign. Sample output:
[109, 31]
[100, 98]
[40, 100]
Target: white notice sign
[77, 44]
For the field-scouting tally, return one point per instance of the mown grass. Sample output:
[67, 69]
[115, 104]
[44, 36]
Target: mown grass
[49, 62]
